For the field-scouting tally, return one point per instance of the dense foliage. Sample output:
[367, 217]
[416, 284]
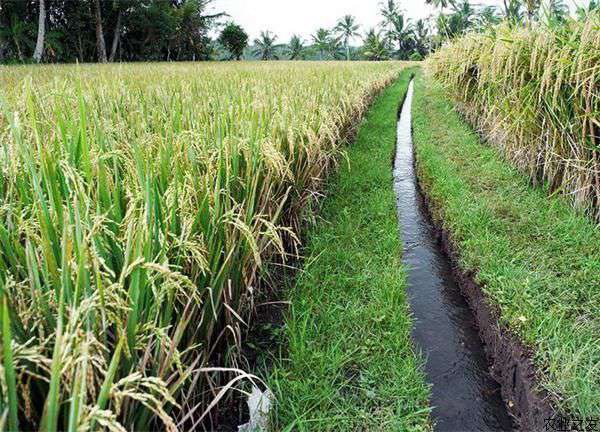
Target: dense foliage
[96, 30]
[171, 30]
[234, 39]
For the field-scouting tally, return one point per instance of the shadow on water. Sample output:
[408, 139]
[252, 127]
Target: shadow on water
[464, 396]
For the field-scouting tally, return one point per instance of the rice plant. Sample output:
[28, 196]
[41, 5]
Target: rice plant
[138, 207]
[534, 92]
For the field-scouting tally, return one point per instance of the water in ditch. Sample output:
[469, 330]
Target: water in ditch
[464, 396]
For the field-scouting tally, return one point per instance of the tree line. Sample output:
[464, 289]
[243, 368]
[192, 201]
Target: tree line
[180, 30]
[105, 30]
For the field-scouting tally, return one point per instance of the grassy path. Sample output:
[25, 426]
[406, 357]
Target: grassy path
[350, 364]
[535, 257]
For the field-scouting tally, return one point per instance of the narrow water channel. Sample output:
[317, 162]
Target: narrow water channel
[464, 396]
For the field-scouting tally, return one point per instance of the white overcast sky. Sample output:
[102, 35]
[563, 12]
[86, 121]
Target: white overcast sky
[303, 17]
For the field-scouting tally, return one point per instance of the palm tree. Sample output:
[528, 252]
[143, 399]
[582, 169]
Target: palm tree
[441, 4]
[295, 48]
[532, 7]
[265, 47]
[401, 33]
[335, 49]
[421, 38]
[388, 10]
[512, 11]
[447, 24]
[556, 11]
[487, 17]
[347, 29]
[583, 12]
[459, 21]
[322, 41]
[465, 14]
[374, 47]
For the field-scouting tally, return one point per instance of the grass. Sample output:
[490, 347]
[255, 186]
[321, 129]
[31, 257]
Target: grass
[349, 363]
[534, 92]
[138, 207]
[536, 258]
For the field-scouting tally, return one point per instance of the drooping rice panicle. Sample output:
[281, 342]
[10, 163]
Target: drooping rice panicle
[534, 92]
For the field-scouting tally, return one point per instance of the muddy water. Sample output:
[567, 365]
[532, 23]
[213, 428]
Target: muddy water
[464, 396]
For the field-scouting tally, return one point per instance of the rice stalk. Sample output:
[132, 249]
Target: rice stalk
[534, 93]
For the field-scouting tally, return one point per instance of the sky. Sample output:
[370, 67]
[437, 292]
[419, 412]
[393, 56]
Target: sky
[303, 17]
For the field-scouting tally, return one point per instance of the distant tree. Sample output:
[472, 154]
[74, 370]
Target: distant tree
[532, 7]
[374, 46]
[421, 38]
[4, 42]
[388, 10]
[465, 14]
[39, 46]
[53, 46]
[120, 6]
[336, 49]
[347, 28]
[295, 49]
[402, 35]
[322, 41]
[487, 17]
[100, 45]
[235, 39]
[583, 12]
[17, 33]
[556, 11]
[441, 4]
[462, 18]
[265, 47]
[100, 30]
[513, 11]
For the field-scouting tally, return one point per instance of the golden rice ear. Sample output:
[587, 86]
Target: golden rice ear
[535, 97]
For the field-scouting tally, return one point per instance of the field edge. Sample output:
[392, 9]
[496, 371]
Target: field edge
[349, 362]
[515, 363]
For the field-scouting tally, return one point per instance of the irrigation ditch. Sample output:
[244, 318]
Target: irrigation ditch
[482, 376]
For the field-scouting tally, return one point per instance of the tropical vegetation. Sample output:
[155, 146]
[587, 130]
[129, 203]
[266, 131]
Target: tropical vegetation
[234, 39]
[95, 30]
[176, 30]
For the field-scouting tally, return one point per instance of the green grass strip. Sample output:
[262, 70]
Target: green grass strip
[350, 363]
[535, 257]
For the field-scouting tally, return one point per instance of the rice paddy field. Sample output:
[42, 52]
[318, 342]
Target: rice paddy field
[150, 213]
[139, 206]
